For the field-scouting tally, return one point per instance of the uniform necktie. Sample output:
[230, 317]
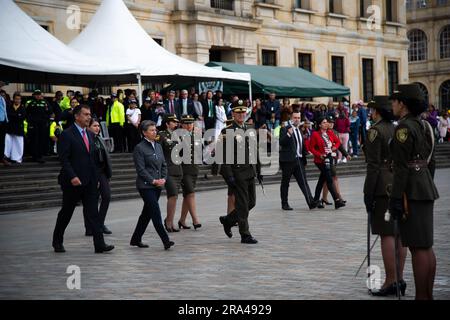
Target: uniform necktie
[85, 139]
[171, 106]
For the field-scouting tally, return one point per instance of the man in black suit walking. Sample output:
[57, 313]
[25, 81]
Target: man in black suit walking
[78, 179]
[293, 161]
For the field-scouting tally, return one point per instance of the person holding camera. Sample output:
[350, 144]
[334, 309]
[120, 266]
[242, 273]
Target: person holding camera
[323, 146]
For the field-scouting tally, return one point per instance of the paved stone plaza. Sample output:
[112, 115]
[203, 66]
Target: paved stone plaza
[301, 254]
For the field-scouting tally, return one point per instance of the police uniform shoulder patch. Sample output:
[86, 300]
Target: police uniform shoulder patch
[401, 135]
[372, 135]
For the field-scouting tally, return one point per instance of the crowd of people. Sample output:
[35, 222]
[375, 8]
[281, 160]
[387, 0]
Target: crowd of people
[71, 126]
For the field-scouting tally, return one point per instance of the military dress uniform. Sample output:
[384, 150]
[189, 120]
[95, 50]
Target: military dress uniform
[174, 171]
[240, 177]
[38, 117]
[191, 169]
[379, 171]
[412, 150]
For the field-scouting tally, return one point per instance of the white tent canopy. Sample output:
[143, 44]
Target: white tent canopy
[114, 34]
[28, 53]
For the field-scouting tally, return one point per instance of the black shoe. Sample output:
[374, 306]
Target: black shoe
[59, 248]
[226, 226]
[390, 290]
[197, 226]
[138, 244]
[106, 230]
[249, 240]
[170, 230]
[319, 204]
[169, 244]
[286, 207]
[182, 226]
[105, 248]
[325, 202]
[88, 233]
[338, 204]
[313, 205]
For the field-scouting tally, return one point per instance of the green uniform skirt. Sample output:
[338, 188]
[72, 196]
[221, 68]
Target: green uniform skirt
[378, 224]
[417, 230]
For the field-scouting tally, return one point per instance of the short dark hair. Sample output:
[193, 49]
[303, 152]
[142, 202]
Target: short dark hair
[147, 124]
[93, 119]
[16, 94]
[77, 110]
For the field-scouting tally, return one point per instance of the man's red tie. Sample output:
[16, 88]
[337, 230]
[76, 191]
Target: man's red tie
[86, 141]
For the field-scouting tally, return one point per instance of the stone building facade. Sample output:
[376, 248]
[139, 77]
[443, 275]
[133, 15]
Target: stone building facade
[359, 43]
[429, 52]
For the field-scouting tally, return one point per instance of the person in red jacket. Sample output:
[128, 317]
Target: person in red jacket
[323, 146]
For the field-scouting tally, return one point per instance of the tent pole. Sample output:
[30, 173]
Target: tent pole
[138, 76]
[250, 91]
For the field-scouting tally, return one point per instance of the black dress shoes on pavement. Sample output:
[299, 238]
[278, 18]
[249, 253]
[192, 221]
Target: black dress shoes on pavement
[59, 248]
[168, 244]
[338, 204]
[226, 226]
[138, 244]
[104, 248]
[286, 207]
[106, 230]
[390, 290]
[249, 240]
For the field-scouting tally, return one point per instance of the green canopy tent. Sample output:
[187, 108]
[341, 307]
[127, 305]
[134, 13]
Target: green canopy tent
[285, 82]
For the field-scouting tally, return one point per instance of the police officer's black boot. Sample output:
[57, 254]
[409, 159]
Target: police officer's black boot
[249, 240]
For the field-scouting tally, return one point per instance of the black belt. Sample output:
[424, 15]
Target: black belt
[417, 164]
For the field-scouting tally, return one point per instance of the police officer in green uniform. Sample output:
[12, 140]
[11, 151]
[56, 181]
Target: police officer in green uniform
[240, 177]
[378, 177]
[413, 190]
[174, 171]
[38, 118]
[190, 174]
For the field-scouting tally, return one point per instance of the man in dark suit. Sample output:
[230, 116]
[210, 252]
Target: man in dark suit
[184, 105]
[78, 179]
[170, 105]
[209, 111]
[293, 161]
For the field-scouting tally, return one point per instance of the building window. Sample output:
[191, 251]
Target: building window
[269, 57]
[444, 93]
[158, 41]
[368, 79]
[337, 67]
[444, 40]
[30, 87]
[304, 61]
[424, 90]
[417, 46]
[442, 2]
[421, 4]
[331, 6]
[363, 5]
[409, 5]
[222, 4]
[389, 10]
[335, 6]
[215, 55]
[392, 76]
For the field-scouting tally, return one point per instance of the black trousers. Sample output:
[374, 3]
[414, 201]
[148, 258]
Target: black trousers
[150, 211]
[104, 191]
[116, 132]
[132, 137]
[71, 195]
[2, 138]
[297, 169]
[245, 200]
[38, 134]
[325, 176]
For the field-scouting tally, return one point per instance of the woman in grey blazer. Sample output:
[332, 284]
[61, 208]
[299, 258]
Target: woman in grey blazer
[151, 171]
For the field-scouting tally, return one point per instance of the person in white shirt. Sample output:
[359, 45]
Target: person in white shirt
[443, 127]
[221, 118]
[133, 121]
